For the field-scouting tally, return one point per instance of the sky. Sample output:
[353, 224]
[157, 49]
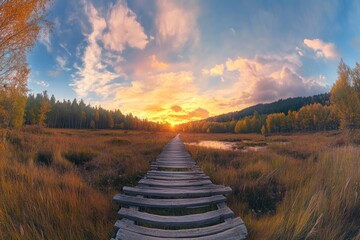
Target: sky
[178, 61]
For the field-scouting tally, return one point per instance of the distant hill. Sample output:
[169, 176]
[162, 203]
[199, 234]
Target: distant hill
[282, 105]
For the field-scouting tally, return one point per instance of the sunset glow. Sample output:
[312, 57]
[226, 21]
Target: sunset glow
[177, 61]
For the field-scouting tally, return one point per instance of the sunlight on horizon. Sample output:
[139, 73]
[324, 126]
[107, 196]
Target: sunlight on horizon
[176, 61]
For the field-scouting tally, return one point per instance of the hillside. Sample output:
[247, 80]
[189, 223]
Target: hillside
[282, 105]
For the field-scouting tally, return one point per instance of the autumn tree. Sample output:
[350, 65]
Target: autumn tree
[44, 108]
[345, 95]
[20, 25]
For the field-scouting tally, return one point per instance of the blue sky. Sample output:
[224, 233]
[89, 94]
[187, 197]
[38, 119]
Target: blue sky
[176, 61]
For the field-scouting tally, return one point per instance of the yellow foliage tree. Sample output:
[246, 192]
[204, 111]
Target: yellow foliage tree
[21, 22]
[345, 98]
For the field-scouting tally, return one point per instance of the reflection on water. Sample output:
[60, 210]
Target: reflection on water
[226, 146]
[215, 144]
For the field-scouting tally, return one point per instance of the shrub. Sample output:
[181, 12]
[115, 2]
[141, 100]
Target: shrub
[79, 158]
[119, 141]
[44, 158]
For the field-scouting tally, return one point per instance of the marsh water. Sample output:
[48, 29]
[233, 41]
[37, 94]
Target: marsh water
[224, 145]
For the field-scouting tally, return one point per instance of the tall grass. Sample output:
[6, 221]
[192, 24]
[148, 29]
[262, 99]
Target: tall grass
[59, 184]
[305, 188]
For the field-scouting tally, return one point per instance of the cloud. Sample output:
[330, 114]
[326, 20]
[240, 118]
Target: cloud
[299, 51]
[196, 114]
[176, 24]
[322, 49]
[44, 38]
[176, 108]
[156, 64]
[92, 76]
[42, 83]
[267, 78]
[217, 70]
[124, 29]
[65, 49]
[61, 62]
[199, 113]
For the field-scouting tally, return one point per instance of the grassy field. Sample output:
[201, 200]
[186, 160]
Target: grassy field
[301, 186]
[59, 184]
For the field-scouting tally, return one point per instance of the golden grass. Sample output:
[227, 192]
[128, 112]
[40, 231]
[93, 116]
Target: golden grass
[62, 200]
[303, 186]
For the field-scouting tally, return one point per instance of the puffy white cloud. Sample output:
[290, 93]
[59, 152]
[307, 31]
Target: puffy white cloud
[124, 29]
[176, 23]
[321, 48]
[93, 76]
[267, 78]
[101, 69]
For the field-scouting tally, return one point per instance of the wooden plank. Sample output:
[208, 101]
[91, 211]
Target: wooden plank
[193, 220]
[174, 173]
[181, 233]
[236, 233]
[174, 183]
[168, 203]
[180, 183]
[201, 187]
[179, 166]
[176, 178]
[174, 161]
[175, 193]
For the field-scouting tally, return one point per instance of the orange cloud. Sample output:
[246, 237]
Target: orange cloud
[176, 108]
[155, 63]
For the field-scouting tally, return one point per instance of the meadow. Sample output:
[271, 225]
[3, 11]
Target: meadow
[301, 186]
[59, 184]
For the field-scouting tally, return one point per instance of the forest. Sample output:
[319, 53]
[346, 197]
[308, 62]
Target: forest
[44, 111]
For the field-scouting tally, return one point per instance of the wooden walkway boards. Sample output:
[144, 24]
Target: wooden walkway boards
[176, 200]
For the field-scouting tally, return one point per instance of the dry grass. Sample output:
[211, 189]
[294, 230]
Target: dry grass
[44, 195]
[303, 186]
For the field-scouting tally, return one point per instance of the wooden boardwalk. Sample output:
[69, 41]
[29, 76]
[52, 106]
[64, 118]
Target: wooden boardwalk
[176, 200]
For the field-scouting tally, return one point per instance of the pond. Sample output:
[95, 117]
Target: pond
[224, 145]
[215, 144]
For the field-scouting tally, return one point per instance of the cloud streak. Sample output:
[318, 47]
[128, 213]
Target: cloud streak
[322, 49]
[176, 24]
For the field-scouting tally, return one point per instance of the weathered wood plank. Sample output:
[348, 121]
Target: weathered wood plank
[181, 233]
[236, 233]
[193, 220]
[168, 203]
[176, 172]
[181, 183]
[176, 178]
[197, 188]
[175, 193]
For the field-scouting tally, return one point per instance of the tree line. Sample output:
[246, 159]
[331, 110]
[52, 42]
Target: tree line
[313, 117]
[341, 111]
[44, 111]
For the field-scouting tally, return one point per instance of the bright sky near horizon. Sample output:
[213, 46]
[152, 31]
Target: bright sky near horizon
[177, 61]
